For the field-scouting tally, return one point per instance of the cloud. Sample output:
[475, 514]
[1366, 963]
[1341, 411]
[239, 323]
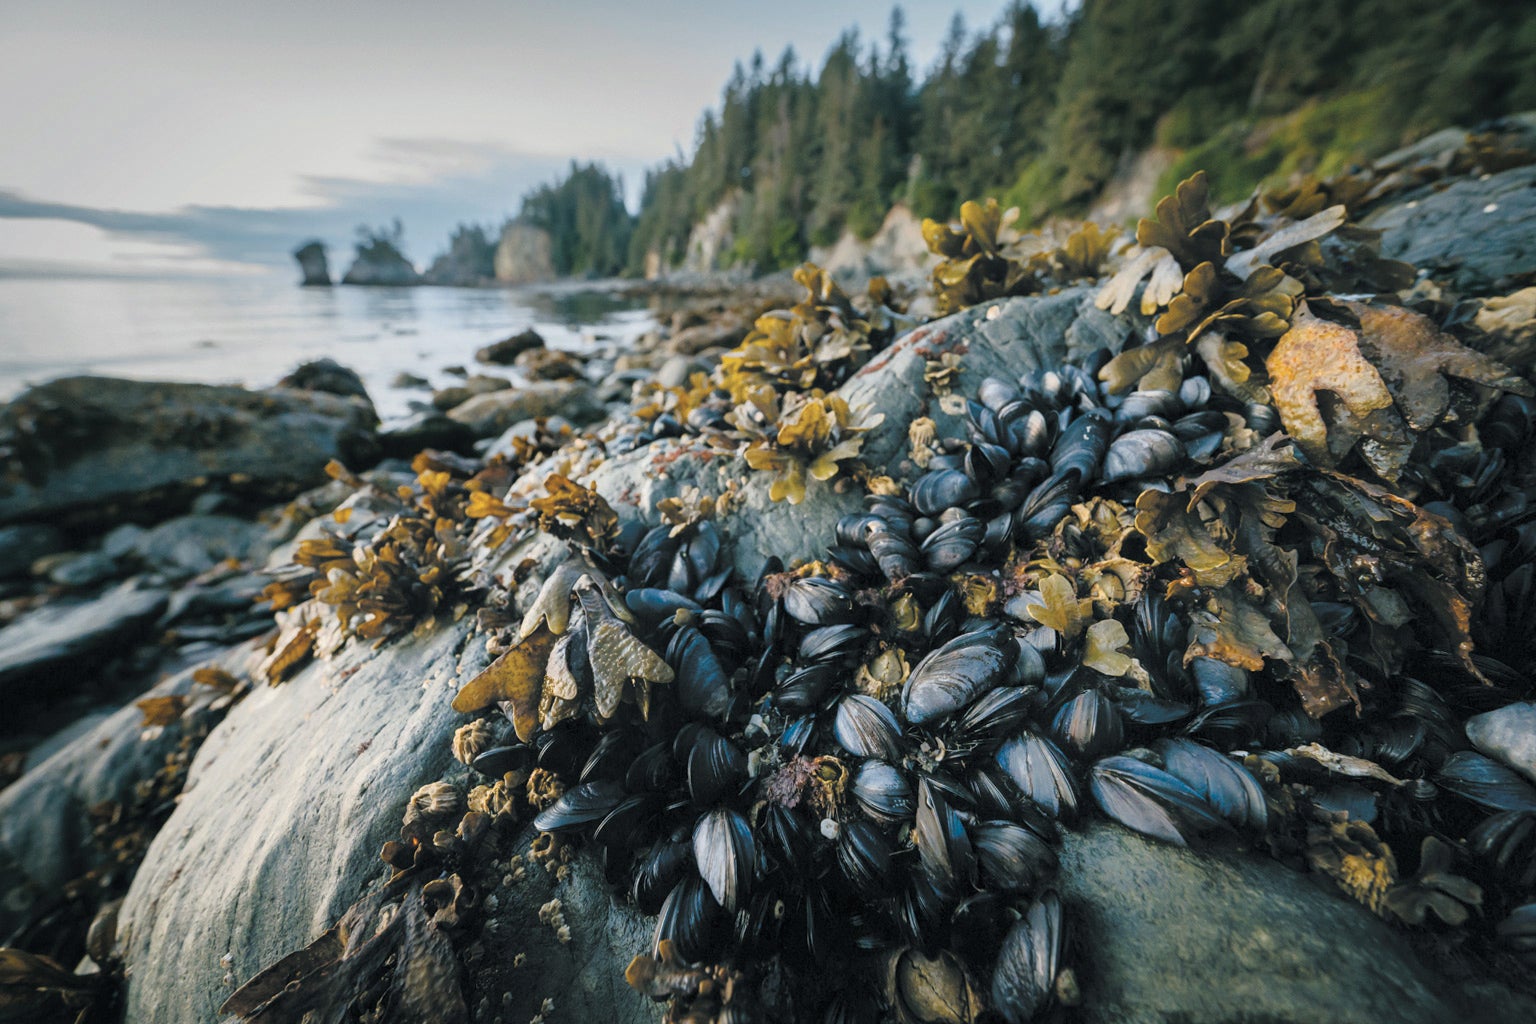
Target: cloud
[432, 186]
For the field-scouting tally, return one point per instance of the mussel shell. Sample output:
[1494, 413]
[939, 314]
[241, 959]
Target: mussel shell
[1012, 858]
[1042, 773]
[726, 855]
[883, 792]
[580, 805]
[817, 601]
[611, 757]
[828, 643]
[716, 767]
[943, 846]
[804, 689]
[953, 543]
[1223, 783]
[1088, 726]
[657, 870]
[1081, 447]
[494, 762]
[652, 770]
[994, 716]
[1218, 682]
[866, 727]
[1146, 799]
[940, 489]
[703, 686]
[1142, 453]
[1141, 404]
[894, 552]
[1024, 979]
[1485, 781]
[692, 920]
[864, 856]
[1506, 842]
[957, 673]
[996, 394]
[655, 604]
[630, 823]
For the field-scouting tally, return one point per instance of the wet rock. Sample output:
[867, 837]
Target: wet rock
[84, 450]
[78, 570]
[674, 373]
[25, 543]
[326, 375]
[492, 413]
[549, 364]
[693, 340]
[458, 394]
[1479, 233]
[188, 545]
[409, 380]
[506, 351]
[502, 444]
[429, 428]
[39, 650]
[1209, 939]
[313, 265]
[45, 824]
[1507, 734]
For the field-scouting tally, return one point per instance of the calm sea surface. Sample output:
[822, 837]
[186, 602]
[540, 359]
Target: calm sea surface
[251, 330]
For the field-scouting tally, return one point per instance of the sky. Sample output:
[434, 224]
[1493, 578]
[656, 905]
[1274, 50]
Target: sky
[154, 136]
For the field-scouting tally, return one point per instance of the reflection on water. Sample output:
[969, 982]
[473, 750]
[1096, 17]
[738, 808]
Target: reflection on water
[252, 330]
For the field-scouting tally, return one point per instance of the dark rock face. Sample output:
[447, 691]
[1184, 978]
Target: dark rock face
[87, 449]
[1480, 234]
[506, 351]
[24, 544]
[40, 649]
[313, 264]
[326, 375]
[430, 428]
[470, 260]
[382, 267]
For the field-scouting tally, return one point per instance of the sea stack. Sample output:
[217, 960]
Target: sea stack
[313, 264]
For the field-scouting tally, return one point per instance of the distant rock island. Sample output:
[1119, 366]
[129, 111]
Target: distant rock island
[521, 254]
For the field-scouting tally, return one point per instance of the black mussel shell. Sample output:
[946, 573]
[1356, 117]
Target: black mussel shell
[851, 528]
[883, 792]
[651, 562]
[1081, 447]
[1042, 773]
[1518, 932]
[1046, 506]
[1223, 783]
[994, 716]
[702, 684]
[630, 823]
[1141, 404]
[653, 770]
[1506, 842]
[1088, 726]
[987, 461]
[1024, 979]
[922, 911]
[864, 856]
[726, 855]
[611, 757]
[895, 553]
[1149, 800]
[657, 870]
[828, 643]
[859, 561]
[716, 767]
[943, 846]
[953, 543]
[654, 604]
[1485, 781]
[1143, 453]
[494, 762]
[817, 601]
[866, 727]
[996, 394]
[804, 689]
[940, 489]
[1217, 682]
[1012, 858]
[957, 673]
[580, 805]
[692, 921]
[564, 749]
[787, 837]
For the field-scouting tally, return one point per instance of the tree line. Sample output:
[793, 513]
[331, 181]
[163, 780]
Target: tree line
[1043, 113]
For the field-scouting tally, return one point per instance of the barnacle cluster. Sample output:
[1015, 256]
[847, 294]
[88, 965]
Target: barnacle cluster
[1171, 586]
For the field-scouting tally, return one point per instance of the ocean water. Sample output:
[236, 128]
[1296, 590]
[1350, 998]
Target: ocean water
[253, 329]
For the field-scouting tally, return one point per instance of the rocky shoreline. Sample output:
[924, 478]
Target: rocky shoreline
[232, 809]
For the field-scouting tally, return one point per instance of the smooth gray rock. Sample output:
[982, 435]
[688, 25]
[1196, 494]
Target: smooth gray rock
[429, 428]
[38, 650]
[82, 569]
[1172, 935]
[25, 543]
[189, 545]
[1507, 734]
[490, 414]
[86, 449]
[506, 351]
[326, 375]
[1479, 233]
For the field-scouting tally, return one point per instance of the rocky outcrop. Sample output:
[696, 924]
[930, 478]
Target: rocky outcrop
[313, 265]
[709, 243]
[1478, 233]
[87, 449]
[489, 414]
[524, 254]
[329, 376]
[469, 261]
[896, 250]
[381, 264]
[506, 351]
[40, 650]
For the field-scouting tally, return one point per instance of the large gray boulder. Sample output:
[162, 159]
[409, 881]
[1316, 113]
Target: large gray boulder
[1478, 233]
[88, 449]
[291, 797]
[491, 413]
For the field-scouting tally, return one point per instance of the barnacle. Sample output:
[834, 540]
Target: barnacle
[469, 740]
